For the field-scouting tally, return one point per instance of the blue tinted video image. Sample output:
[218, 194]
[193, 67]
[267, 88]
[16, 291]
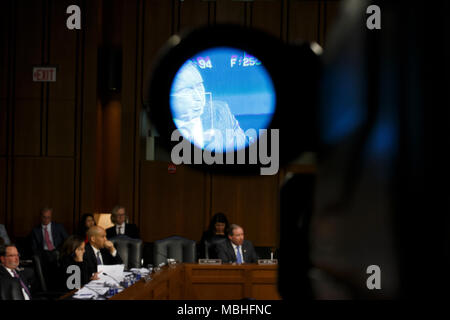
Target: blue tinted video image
[219, 96]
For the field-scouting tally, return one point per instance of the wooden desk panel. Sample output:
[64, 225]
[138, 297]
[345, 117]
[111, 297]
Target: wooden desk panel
[167, 284]
[231, 282]
[207, 282]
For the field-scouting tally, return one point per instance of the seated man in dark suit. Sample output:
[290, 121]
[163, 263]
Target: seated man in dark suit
[99, 250]
[15, 284]
[48, 235]
[121, 228]
[45, 240]
[236, 249]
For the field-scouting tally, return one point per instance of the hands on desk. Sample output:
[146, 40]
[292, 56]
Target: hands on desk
[95, 276]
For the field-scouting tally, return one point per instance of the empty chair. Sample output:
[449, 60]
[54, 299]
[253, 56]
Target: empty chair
[178, 248]
[130, 250]
[46, 290]
[39, 273]
[210, 247]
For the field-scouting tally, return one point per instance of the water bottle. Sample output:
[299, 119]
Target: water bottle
[125, 283]
[110, 292]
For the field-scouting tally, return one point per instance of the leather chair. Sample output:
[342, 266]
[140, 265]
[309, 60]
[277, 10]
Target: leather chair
[130, 250]
[39, 273]
[178, 248]
[210, 248]
[45, 290]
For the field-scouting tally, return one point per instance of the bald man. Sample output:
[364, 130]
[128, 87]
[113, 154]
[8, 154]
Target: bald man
[195, 118]
[99, 250]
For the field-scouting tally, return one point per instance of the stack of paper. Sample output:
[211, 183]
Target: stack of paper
[142, 271]
[91, 290]
[109, 276]
[111, 273]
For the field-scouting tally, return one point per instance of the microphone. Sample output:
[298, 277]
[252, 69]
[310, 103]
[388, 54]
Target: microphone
[105, 274]
[166, 257]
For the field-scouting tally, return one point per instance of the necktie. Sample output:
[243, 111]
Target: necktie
[21, 283]
[238, 255]
[120, 230]
[99, 261]
[47, 240]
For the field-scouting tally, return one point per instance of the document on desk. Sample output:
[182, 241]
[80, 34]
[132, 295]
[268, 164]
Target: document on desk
[142, 271]
[91, 290]
[113, 272]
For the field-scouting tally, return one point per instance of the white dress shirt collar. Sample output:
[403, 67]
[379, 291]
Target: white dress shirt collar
[122, 228]
[235, 250]
[48, 226]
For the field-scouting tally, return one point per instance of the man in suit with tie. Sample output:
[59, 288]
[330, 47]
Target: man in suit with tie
[45, 240]
[121, 228]
[99, 250]
[49, 235]
[236, 249]
[15, 284]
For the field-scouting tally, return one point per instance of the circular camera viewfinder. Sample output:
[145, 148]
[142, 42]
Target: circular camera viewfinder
[221, 98]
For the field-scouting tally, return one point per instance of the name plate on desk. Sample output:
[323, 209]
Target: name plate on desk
[210, 261]
[267, 261]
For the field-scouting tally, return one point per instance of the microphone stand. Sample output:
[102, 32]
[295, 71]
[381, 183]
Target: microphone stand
[118, 282]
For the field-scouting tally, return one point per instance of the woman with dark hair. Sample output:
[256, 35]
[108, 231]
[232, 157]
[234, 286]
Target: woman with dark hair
[72, 253]
[216, 232]
[86, 221]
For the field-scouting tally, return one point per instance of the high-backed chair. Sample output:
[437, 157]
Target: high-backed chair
[210, 248]
[178, 248]
[46, 290]
[39, 273]
[130, 250]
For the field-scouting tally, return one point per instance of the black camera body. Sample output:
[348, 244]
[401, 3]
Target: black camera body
[356, 230]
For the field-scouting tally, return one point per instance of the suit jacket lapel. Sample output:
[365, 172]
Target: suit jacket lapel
[4, 272]
[231, 250]
[90, 254]
[40, 236]
[54, 234]
[245, 252]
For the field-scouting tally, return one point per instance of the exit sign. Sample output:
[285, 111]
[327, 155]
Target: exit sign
[44, 74]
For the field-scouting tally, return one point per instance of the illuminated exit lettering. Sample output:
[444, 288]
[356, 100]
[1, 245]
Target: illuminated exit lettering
[44, 74]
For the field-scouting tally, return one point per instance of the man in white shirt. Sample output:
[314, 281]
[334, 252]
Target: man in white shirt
[121, 227]
[236, 250]
[49, 235]
[46, 238]
[15, 284]
[205, 122]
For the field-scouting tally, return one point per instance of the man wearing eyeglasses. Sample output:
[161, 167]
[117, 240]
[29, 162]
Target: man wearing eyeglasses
[121, 227]
[205, 124]
[15, 284]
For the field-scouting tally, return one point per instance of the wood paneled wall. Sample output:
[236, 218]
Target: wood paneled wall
[52, 135]
[43, 124]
